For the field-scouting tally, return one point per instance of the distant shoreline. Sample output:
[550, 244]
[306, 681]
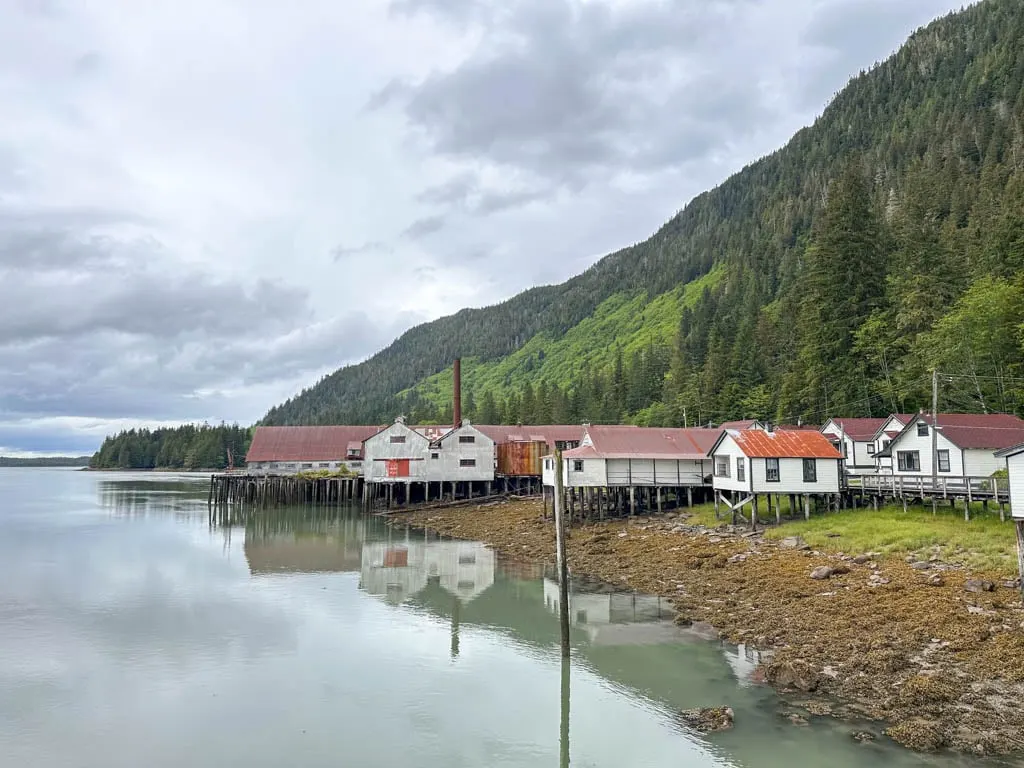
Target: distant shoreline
[167, 470]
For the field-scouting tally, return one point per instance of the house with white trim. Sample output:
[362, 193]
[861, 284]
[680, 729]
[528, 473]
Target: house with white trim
[966, 445]
[854, 438]
[752, 462]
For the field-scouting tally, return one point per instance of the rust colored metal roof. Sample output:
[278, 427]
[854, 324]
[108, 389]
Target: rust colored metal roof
[780, 444]
[646, 443]
[307, 443]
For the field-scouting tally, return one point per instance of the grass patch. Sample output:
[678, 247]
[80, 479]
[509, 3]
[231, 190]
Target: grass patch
[702, 514]
[984, 543]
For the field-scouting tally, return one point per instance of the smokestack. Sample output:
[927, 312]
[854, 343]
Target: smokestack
[457, 392]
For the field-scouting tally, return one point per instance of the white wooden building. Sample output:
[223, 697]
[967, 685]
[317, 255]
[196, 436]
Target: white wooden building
[1014, 464]
[855, 439]
[892, 427]
[613, 462]
[966, 445]
[396, 454]
[751, 463]
[463, 454]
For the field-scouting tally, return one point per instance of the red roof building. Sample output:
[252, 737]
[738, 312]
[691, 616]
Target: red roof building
[308, 444]
[615, 442]
[780, 444]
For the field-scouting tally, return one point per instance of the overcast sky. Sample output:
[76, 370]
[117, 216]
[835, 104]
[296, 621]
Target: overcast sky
[205, 205]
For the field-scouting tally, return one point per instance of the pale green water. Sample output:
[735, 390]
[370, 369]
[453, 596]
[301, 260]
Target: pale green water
[134, 634]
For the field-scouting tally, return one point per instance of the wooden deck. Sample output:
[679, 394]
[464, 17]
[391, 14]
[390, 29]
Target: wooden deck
[925, 486]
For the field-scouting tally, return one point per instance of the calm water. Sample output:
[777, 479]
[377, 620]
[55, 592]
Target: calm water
[132, 633]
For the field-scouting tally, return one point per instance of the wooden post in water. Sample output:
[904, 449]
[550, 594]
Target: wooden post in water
[1019, 525]
[563, 735]
[563, 566]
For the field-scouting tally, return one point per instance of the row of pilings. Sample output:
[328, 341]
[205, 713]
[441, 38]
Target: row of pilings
[274, 490]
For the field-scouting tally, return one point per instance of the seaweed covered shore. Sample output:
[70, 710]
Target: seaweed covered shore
[932, 649]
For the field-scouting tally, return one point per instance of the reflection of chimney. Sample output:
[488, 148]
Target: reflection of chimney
[457, 392]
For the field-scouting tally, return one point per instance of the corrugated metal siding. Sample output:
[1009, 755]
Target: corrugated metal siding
[521, 459]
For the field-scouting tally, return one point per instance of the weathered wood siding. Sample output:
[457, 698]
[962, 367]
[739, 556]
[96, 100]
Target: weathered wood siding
[379, 449]
[791, 477]
[445, 460]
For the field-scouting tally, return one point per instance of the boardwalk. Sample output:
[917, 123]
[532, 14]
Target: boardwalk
[907, 488]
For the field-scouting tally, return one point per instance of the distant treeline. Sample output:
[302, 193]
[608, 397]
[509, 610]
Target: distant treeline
[45, 461]
[188, 447]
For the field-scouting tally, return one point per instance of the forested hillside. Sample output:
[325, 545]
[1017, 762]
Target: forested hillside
[187, 447]
[828, 278]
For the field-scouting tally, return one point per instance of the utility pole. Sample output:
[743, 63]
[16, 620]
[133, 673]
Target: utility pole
[685, 424]
[563, 566]
[935, 440]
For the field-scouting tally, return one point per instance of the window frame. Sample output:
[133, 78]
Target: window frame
[901, 465]
[577, 465]
[771, 466]
[397, 440]
[924, 425]
[812, 475]
[871, 449]
[938, 460]
[722, 466]
[741, 469]
[467, 463]
[467, 439]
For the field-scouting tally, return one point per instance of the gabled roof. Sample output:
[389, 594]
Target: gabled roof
[623, 442]
[549, 433]
[306, 443]
[970, 431]
[858, 429]
[742, 424]
[1013, 450]
[781, 444]
[902, 418]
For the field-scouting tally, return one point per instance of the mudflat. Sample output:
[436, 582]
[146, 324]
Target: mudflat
[935, 649]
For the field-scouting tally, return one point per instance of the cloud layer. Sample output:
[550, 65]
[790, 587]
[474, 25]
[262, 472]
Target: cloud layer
[205, 207]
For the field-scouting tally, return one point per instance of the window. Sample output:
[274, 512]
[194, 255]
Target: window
[722, 466]
[908, 461]
[549, 464]
[581, 617]
[435, 456]
[810, 471]
[577, 465]
[771, 470]
[467, 462]
[324, 465]
[871, 449]
[741, 469]
[307, 465]
[885, 443]
[467, 559]
[398, 438]
[922, 429]
[467, 439]
[943, 461]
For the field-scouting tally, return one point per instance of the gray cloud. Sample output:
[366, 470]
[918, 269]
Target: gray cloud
[369, 248]
[163, 229]
[424, 227]
[566, 92]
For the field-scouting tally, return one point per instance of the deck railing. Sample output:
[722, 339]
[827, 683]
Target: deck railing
[971, 488]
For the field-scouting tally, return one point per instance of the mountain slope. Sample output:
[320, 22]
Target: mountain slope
[830, 275]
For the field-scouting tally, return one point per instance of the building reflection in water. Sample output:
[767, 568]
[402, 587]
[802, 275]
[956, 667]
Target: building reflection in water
[398, 570]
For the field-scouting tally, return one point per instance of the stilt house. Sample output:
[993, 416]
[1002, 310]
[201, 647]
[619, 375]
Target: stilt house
[289, 450]
[752, 463]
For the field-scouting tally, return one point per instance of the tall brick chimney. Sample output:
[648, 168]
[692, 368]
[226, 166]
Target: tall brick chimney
[457, 392]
